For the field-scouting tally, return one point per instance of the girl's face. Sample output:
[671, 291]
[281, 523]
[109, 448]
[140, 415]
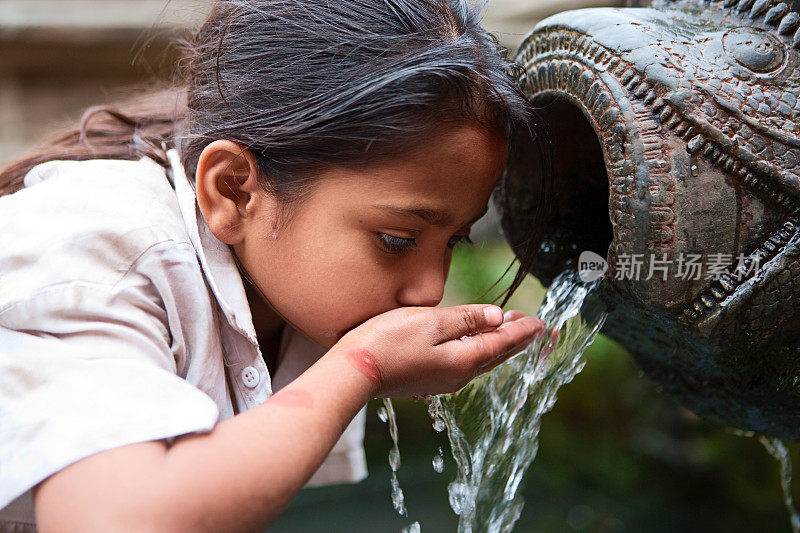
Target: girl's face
[370, 240]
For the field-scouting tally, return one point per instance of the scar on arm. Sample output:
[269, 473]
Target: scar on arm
[293, 398]
[364, 362]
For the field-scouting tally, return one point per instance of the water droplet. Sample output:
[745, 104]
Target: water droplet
[460, 500]
[382, 414]
[435, 412]
[438, 462]
[394, 459]
[413, 528]
[695, 171]
[398, 500]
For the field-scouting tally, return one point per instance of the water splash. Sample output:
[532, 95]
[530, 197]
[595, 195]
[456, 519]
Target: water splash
[777, 449]
[413, 528]
[435, 412]
[386, 414]
[493, 423]
[438, 462]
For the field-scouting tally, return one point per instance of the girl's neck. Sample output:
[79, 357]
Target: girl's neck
[268, 325]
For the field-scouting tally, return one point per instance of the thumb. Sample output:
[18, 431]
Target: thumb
[456, 322]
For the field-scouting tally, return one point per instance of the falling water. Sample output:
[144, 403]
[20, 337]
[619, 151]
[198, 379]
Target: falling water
[777, 449]
[438, 462]
[493, 423]
[386, 414]
[413, 528]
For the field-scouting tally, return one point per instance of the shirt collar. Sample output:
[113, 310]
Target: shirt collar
[215, 257]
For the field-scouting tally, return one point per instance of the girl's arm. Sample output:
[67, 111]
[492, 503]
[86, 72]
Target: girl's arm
[241, 475]
[238, 477]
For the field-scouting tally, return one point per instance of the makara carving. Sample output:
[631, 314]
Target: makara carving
[676, 140]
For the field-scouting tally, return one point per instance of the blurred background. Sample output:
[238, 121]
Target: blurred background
[615, 455]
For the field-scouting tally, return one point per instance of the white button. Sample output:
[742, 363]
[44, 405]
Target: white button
[250, 377]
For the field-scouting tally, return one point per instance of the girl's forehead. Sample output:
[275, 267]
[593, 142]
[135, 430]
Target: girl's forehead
[459, 156]
[446, 183]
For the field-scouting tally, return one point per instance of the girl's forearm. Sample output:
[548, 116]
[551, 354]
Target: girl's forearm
[241, 475]
[237, 477]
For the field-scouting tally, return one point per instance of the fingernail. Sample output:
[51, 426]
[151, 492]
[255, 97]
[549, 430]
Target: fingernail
[493, 314]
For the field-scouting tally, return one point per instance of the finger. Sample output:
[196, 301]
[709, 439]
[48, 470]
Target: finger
[516, 350]
[512, 315]
[488, 346]
[456, 322]
[497, 361]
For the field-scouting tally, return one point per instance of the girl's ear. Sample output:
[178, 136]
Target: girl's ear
[228, 193]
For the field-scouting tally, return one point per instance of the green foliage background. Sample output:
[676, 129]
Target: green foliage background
[615, 454]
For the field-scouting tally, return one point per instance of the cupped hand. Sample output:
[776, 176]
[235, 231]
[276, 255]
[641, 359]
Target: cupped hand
[434, 350]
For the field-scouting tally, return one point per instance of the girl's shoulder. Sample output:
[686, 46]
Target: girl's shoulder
[87, 220]
[108, 199]
[102, 193]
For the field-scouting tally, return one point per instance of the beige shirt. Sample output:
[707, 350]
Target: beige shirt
[122, 320]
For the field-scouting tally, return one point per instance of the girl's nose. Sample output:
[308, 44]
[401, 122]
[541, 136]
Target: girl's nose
[423, 287]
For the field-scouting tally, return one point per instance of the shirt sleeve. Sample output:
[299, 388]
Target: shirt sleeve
[85, 367]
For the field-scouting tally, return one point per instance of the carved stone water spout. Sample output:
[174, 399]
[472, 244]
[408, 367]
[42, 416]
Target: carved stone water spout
[676, 138]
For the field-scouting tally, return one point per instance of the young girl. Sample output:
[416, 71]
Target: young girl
[200, 290]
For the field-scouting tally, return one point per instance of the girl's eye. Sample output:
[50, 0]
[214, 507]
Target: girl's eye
[397, 245]
[459, 239]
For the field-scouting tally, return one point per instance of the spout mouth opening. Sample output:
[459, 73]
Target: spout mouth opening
[579, 217]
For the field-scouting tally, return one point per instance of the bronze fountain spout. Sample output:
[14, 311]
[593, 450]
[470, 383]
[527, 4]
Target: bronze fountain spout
[675, 132]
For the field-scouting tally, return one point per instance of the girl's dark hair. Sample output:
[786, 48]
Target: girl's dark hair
[308, 84]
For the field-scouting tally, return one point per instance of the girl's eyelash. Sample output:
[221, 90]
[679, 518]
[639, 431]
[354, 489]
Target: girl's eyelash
[397, 245]
[459, 239]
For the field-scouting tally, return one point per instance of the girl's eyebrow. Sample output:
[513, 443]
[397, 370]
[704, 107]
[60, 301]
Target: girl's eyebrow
[431, 216]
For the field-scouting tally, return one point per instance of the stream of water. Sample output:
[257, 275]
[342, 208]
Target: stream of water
[493, 423]
[386, 414]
